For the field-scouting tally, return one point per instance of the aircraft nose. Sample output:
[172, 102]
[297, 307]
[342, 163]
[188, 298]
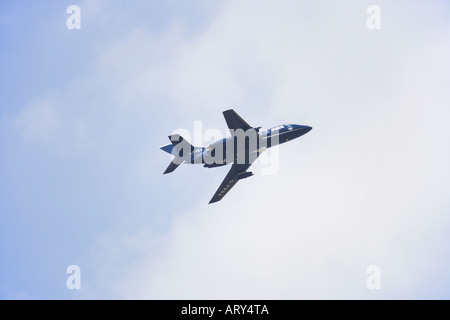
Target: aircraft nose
[305, 129]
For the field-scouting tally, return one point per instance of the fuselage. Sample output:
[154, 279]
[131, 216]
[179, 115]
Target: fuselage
[244, 147]
[284, 133]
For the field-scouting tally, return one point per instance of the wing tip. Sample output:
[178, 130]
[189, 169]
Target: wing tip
[213, 201]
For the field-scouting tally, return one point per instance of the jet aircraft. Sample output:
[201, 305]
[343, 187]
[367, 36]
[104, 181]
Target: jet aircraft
[241, 149]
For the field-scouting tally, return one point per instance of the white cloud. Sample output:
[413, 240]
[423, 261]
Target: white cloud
[38, 121]
[53, 123]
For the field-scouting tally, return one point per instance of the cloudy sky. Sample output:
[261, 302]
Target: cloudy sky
[83, 112]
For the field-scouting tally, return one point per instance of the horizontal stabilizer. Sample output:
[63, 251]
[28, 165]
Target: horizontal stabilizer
[171, 168]
[180, 149]
[176, 139]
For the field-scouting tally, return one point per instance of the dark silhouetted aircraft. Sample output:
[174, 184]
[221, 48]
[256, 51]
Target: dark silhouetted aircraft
[241, 149]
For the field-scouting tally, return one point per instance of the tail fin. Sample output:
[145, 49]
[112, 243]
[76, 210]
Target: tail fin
[167, 148]
[182, 148]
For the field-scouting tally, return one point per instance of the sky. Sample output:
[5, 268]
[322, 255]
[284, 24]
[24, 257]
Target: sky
[83, 113]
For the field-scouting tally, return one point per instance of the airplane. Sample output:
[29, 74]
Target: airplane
[241, 149]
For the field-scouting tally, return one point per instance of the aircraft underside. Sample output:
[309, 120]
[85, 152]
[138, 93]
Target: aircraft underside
[241, 149]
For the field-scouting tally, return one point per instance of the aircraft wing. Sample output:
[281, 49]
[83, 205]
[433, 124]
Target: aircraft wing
[237, 172]
[234, 121]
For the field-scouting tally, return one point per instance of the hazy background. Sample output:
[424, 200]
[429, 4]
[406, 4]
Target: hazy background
[83, 112]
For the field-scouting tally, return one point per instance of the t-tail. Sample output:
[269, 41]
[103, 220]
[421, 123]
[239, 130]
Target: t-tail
[182, 150]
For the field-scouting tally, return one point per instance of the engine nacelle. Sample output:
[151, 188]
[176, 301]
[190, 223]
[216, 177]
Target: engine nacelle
[244, 175]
